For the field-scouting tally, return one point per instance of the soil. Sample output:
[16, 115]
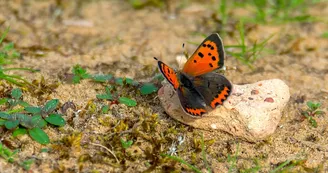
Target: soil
[111, 37]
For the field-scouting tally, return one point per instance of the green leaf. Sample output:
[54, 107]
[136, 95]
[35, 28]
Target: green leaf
[12, 102]
[11, 124]
[55, 119]
[15, 54]
[8, 47]
[4, 34]
[148, 88]
[126, 144]
[108, 89]
[38, 121]
[21, 117]
[104, 96]
[319, 112]
[50, 105]
[33, 110]
[39, 135]
[102, 78]
[3, 56]
[313, 106]
[317, 106]
[2, 122]
[305, 113]
[104, 109]
[27, 164]
[16, 93]
[76, 79]
[3, 101]
[130, 81]
[22, 103]
[4, 115]
[127, 101]
[324, 35]
[12, 111]
[313, 122]
[19, 131]
[119, 81]
[85, 76]
[79, 72]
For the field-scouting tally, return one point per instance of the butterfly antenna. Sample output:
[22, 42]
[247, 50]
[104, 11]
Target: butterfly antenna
[185, 53]
[155, 58]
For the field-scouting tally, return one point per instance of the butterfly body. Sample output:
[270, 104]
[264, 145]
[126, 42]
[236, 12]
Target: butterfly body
[199, 89]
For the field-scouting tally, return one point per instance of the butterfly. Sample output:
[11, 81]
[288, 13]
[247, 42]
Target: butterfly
[198, 87]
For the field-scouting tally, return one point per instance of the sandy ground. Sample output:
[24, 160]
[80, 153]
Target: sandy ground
[112, 37]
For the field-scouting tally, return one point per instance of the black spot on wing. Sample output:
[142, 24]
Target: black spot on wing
[200, 54]
[213, 58]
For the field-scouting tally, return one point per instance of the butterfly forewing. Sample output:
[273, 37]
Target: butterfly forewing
[208, 57]
[169, 74]
[214, 88]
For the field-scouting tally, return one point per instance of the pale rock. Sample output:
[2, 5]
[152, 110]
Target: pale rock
[251, 112]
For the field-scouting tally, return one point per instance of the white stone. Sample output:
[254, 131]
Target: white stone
[252, 111]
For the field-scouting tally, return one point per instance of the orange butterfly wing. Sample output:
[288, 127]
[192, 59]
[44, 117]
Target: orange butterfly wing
[169, 74]
[208, 57]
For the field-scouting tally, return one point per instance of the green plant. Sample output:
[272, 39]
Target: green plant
[144, 88]
[282, 11]
[16, 99]
[254, 169]
[233, 161]
[102, 77]
[261, 11]
[126, 144]
[287, 165]
[79, 74]
[46, 112]
[204, 154]
[30, 119]
[139, 4]
[324, 35]
[148, 88]
[104, 109]
[180, 160]
[109, 96]
[7, 54]
[26, 164]
[311, 111]
[246, 55]
[127, 101]
[222, 12]
[8, 155]
[195, 169]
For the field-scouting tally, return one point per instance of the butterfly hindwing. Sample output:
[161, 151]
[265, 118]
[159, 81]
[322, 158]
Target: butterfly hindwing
[208, 57]
[214, 88]
[169, 73]
[191, 101]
